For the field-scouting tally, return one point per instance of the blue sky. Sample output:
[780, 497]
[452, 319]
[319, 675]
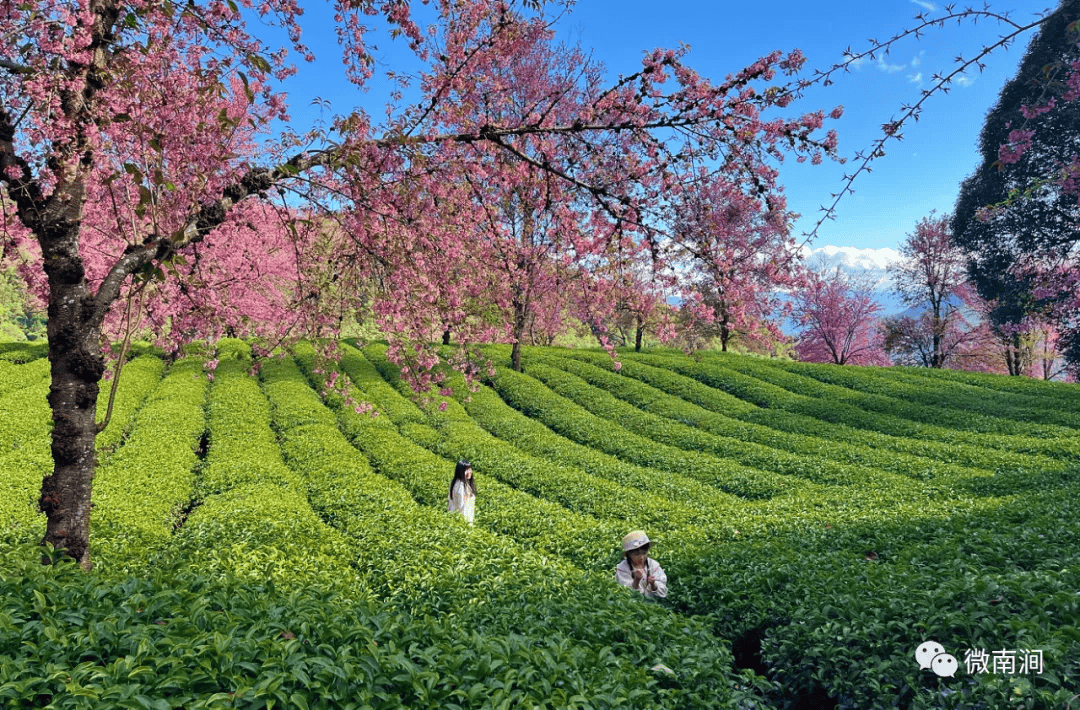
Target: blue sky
[919, 174]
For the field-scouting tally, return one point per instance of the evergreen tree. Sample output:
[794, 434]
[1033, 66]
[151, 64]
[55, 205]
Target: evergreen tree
[1035, 222]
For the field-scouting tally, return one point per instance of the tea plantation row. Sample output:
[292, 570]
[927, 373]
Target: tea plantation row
[259, 545]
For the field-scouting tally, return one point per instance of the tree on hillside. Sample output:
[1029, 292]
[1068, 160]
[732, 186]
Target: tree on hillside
[640, 306]
[1023, 251]
[839, 318]
[931, 277]
[131, 154]
[733, 252]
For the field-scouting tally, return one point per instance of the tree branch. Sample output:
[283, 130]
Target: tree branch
[15, 68]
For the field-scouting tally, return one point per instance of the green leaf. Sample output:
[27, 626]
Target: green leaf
[134, 172]
[247, 89]
[257, 61]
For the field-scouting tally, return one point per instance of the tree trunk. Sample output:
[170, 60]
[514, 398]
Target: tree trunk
[520, 320]
[76, 369]
[446, 337]
[1014, 357]
[639, 334]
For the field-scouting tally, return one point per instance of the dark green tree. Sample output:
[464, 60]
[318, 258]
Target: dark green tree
[1034, 224]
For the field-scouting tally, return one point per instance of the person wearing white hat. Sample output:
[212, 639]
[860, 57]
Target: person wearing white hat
[639, 571]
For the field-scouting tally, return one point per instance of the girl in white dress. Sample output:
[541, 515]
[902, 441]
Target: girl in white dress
[462, 498]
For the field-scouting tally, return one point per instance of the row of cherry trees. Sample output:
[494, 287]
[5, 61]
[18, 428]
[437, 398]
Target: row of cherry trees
[947, 323]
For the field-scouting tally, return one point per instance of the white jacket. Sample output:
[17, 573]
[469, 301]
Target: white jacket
[654, 578]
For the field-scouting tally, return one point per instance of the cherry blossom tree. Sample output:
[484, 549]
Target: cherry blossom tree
[931, 277]
[1046, 360]
[639, 298]
[132, 140]
[839, 318]
[734, 252]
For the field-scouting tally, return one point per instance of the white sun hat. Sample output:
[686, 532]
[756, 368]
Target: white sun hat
[634, 539]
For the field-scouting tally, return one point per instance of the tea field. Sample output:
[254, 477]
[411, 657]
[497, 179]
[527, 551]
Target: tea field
[259, 545]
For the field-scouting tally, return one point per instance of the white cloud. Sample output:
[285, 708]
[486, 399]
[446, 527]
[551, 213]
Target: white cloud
[964, 80]
[915, 78]
[889, 68]
[925, 5]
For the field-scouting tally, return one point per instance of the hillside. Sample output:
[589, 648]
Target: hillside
[258, 545]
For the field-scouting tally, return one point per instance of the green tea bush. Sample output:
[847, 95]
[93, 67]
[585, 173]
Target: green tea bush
[1015, 589]
[457, 435]
[1033, 390]
[710, 506]
[177, 639]
[24, 351]
[562, 378]
[17, 376]
[844, 422]
[424, 561]
[25, 452]
[312, 572]
[840, 613]
[533, 399]
[242, 447]
[143, 489]
[922, 422]
[992, 412]
[138, 378]
[664, 392]
[502, 508]
[253, 520]
[24, 412]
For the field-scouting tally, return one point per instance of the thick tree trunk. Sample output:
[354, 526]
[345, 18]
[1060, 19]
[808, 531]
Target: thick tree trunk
[446, 337]
[639, 333]
[76, 369]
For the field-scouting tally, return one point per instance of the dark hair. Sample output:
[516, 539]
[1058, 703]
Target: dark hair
[459, 473]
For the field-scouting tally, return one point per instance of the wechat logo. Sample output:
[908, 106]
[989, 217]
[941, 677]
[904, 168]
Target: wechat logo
[932, 655]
